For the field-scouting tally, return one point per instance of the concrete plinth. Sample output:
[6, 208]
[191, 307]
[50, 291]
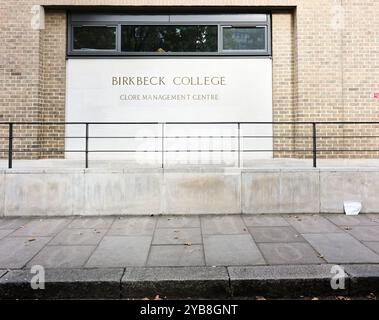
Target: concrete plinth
[205, 190]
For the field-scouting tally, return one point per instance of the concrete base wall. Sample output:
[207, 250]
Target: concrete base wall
[190, 191]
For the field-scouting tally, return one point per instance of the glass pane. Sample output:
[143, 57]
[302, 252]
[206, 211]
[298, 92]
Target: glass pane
[244, 38]
[94, 38]
[163, 38]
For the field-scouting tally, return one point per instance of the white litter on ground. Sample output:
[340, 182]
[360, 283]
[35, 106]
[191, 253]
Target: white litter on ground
[352, 208]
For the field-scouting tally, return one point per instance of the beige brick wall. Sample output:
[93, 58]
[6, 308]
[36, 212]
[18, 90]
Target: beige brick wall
[283, 88]
[53, 83]
[325, 68]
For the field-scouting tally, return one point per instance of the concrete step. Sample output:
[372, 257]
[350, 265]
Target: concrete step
[286, 281]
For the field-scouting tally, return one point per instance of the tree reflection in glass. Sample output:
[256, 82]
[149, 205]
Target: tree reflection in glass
[169, 38]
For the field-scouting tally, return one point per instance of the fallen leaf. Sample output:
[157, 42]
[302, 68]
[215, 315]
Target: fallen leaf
[347, 228]
[188, 243]
[31, 239]
[342, 298]
[371, 296]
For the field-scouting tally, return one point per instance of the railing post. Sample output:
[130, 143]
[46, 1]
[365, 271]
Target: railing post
[10, 146]
[314, 136]
[163, 145]
[239, 145]
[86, 151]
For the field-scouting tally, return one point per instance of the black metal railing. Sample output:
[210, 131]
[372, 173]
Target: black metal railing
[312, 147]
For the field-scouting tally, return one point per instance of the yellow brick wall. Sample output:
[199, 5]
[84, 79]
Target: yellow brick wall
[325, 68]
[283, 88]
[53, 83]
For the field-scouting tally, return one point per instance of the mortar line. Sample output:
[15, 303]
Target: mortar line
[202, 239]
[45, 245]
[229, 282]
[97, 246]
[151, 241]
[120, 284]
[256, 244]
[360, 241]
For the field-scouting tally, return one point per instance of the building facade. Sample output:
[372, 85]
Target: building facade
[324, 66]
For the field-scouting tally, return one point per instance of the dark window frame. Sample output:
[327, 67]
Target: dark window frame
[220, 20]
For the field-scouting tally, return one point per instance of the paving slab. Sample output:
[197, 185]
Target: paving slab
[129, 226]
[343, 220]
[341, 248]
[42, 227]
[177, 236]
[312, 224]
[289, 253]
[228, 250]
[12, 223]
[176, 255]
[365, 233]
[373, 217]
[290, 281]
[5, 232]
[62, 256]
[15, 252]
[178, 222]
[64, 284]
[275, 234]
[91, 223]
[364, 279]
[223, 225]
[78, 237]
[264, 221]
[117, 251]
[176, 282]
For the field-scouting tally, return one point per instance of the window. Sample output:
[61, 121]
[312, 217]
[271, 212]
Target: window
[169, 38]
[94, 38]
[166, 35]
[244, 38]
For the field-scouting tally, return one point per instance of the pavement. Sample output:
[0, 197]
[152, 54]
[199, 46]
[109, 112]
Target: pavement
[209, 256]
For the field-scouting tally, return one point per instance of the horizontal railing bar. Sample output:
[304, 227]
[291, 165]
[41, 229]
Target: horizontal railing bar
[188, 137]
[183, 123]
[196, 150]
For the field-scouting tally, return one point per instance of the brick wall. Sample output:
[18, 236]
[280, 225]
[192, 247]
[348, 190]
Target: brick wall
[20, 80]
[283, 88]
[325, 68]
[53, 83]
